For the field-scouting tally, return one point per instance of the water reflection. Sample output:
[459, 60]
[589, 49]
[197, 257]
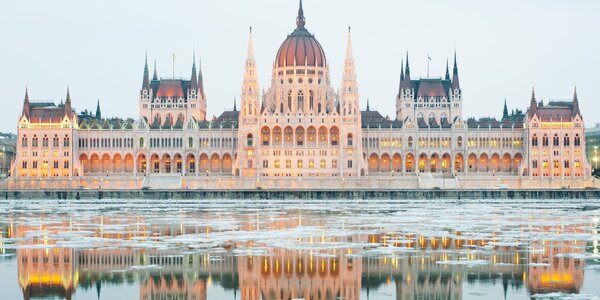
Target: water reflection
[246, 256]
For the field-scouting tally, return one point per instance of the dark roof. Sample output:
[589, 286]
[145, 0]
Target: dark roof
[555, 111]
[373, 119]
[174, 88]
[46, 112]
[493, 123]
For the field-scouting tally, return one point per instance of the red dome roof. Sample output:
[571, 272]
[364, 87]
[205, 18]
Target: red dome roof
[300, 48]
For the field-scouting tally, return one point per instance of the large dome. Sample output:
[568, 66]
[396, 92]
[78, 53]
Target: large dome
[300, 48]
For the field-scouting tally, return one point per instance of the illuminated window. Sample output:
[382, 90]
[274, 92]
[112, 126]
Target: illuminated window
[277, 164]
[299, 164]
[545, 164]
[311, 164]
[288, 163]
[322, 163]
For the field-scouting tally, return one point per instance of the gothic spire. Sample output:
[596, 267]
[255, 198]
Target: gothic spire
[447, 71]
[146, 80]
[250, 46]
[455, 82]
[194, 79]
[505, 111]
[368, 108]
[402, 69]
[200, 77]
[533, 102]
[234, 104]
[155, 76]
[26, 106]
[26, 94]
[407, 69]
[575, 102]
[98, 112]
[68, 95]
[300, 21]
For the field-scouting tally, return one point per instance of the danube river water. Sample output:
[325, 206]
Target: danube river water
[232, 249]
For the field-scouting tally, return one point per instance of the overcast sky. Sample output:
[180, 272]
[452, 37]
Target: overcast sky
[97, 48]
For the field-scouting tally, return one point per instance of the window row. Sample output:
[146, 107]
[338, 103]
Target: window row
[66, 141]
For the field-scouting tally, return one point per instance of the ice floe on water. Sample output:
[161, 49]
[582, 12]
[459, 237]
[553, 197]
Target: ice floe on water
[565, 296]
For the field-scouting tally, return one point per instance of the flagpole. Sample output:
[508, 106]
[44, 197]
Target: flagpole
[173, 65]
[428, 59]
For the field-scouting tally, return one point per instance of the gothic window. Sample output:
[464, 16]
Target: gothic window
[545, 141]
[566, 141]
[281, 108]
[334, 136]
[66, 141]
[24, 141]
[555, 141]
[141, 142]
[459, 141]
[349, 139]
[319, 108]
[190, 142]
[301, 101]
[289, 100]
[534, 141]
[577, 140]
[45, 141]
[311, 100]
[410, 141]
[55, 141]
[249, 139]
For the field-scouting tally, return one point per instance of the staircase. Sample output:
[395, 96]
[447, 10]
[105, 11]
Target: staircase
[437, 181]
[162, 182]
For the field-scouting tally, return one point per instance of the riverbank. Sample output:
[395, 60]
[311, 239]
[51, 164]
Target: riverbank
[301, 194]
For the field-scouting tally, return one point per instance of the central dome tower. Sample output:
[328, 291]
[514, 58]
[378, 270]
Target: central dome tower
[300, 48]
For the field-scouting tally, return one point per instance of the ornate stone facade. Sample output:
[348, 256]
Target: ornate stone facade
[302, 127]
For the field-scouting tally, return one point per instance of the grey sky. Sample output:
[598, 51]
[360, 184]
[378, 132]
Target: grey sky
[97, 48]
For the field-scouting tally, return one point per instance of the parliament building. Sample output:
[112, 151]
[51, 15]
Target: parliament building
[301, 128]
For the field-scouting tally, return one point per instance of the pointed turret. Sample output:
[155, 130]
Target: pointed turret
[67, 108]
[533, 102]
[200, 78]
[447, 71]
[250, 87]
[575, 103]
[455, 82]
[155, 75]
[349, 83]
[407, 69]
[146, 80]
[98, 112]
[194, 79]
[505, 111]
[234, 104]
[368, 108]
[300, 21]
[402, 70]
[26, 106]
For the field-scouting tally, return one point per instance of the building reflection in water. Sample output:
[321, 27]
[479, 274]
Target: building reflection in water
[420, 267]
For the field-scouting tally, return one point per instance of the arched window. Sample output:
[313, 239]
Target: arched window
[66, 141]
[410, 141]
[334, 136]
[249, 139]
[141, 142]
[190, 142]
[55, 141]
[24, 141]
[349, 139]
[266, 134]
[319, 108]
[301, 101]
[459, 141]
[45, 141]
[555, 141]
[289, 104]
[566, 141]
[311, 100]
[545, 140]
[577, 140]
[34, 141]
[534, 141]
